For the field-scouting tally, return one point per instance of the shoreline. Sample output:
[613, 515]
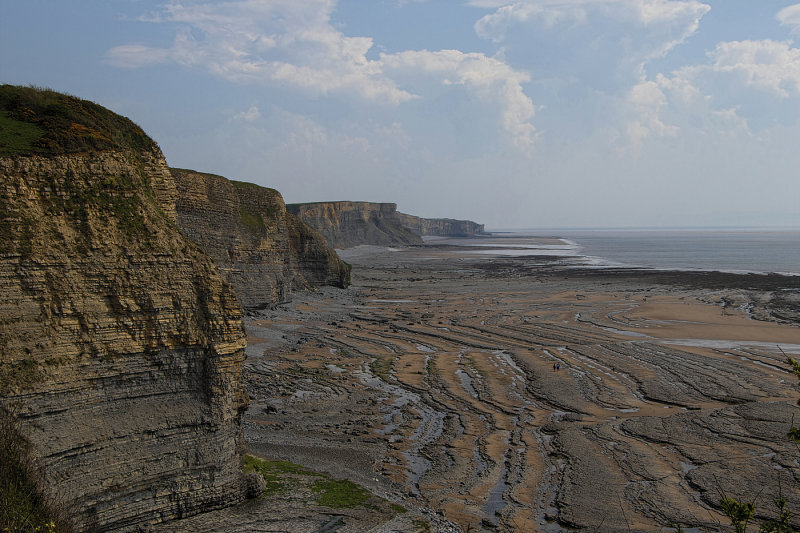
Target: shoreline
[633, 249]
[431, 382]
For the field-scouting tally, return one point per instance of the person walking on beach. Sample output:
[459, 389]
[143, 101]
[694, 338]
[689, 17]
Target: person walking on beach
[558, 367]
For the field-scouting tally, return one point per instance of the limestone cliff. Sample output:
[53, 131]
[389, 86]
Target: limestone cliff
[121, 345]
[441, 227]
[262, 250]
[347, 224]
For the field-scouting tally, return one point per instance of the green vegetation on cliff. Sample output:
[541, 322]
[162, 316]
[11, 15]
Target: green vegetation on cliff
[252, 221]
[70, 213]
[17, 136]
[44, 122]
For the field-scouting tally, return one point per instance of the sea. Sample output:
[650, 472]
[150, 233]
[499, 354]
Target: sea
[726, 250]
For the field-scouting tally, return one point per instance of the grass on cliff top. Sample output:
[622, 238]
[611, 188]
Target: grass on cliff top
[178, 170]
[41, 121]
[248, 185]
[235, 183]
[17, 137]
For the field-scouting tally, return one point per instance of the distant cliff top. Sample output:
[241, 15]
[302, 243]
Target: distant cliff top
[345, 202]
[35, 121]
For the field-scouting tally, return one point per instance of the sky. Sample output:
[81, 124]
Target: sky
[515, 114]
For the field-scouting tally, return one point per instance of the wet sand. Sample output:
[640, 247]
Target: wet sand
[432, 381]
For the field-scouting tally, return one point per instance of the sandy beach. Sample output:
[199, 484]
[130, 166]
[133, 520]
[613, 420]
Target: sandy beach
[492, 393]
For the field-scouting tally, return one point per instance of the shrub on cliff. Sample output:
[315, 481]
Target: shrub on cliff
[40, 121]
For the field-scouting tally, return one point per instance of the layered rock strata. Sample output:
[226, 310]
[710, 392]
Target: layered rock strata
[348, 224]
[121, 345]
[441, 227]
[262, 250]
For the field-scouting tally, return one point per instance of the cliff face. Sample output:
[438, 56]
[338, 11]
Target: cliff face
[442, 227]
[121, 345]
[346, 224]
[262, 250]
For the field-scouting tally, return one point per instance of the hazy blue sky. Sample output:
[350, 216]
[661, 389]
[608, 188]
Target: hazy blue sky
[535, 113]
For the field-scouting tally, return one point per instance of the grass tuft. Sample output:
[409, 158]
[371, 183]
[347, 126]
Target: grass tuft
[382, 367]
[399, 509]
[288, 479]
[340, 494]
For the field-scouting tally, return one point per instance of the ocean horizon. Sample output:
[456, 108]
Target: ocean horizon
[760, 250]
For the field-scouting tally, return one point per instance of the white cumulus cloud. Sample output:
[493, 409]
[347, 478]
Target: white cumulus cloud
[135, 56]
[790, 16]
[647, 100]
[490, 78]
[668, 22]
[293, 43]
[251, 115]
[271, 41]
[770, 65]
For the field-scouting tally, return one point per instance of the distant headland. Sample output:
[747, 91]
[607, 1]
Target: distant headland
[348, 224]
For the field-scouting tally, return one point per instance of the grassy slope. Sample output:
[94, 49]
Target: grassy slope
[44, 122]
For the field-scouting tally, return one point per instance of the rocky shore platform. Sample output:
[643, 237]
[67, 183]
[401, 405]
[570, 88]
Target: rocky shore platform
[489, 393]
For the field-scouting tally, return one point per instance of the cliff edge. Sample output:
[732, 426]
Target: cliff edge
[261, 249]
[121, 345]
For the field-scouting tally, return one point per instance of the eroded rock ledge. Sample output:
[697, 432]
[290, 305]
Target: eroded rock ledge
[261, 249]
